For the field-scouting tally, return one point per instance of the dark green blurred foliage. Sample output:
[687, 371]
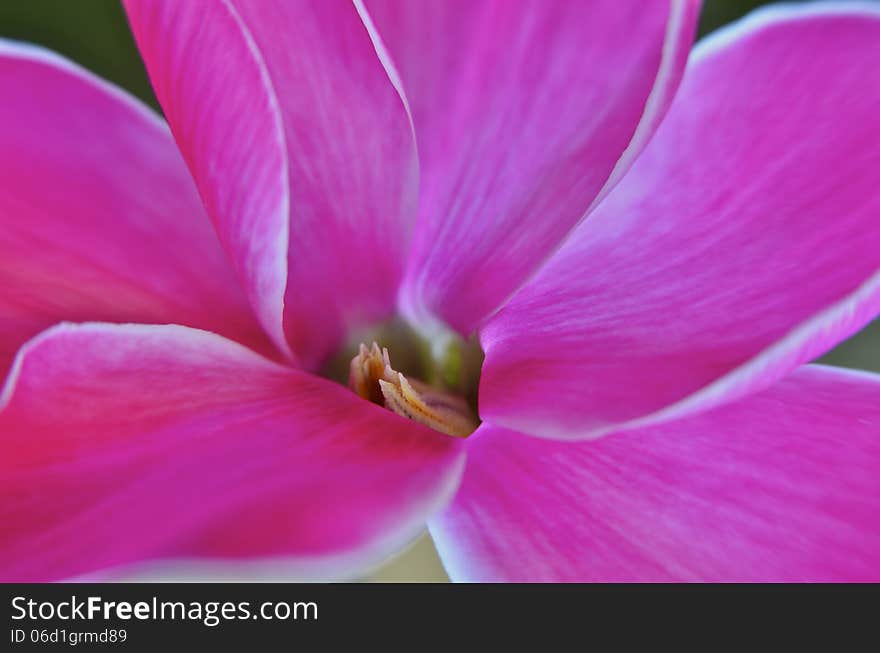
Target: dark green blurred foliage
[95, 33]
[720, 12]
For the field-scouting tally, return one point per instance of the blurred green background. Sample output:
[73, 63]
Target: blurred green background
[95, 34]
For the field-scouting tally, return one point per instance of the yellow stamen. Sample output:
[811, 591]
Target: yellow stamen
[372, 377]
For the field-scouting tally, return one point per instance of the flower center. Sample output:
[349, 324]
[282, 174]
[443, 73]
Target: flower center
[433, 382]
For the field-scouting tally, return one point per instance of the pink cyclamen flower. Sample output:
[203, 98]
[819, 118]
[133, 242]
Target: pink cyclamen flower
[345, 163]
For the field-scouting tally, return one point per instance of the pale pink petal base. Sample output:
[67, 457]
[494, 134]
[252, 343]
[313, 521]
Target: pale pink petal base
[525, 112]
[743, 242]
[99, 218]
[782, 486]
[122, 444]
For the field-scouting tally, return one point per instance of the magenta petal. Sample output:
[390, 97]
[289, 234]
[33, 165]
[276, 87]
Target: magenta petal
[353, 169]
[286, 113]
[99, 218]
[218, 98]
[525, 113]
[781, 486]
[743, 242]
[127, 443]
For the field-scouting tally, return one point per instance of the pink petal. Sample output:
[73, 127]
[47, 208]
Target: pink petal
[291, 123]
[217, 96]
[130, 443]
[782, 486]
[525, 113]
[99, 219]
[743, 242]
